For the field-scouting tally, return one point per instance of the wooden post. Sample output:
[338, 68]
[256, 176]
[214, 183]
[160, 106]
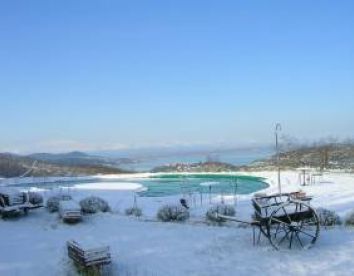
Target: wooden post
[277, 130]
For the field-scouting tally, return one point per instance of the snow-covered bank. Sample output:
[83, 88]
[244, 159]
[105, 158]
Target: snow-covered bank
[61, 180]
[123, 186]
[35, 245]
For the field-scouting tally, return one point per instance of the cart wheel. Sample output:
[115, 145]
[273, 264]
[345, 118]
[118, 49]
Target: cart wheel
[293, 224]
[263, 232]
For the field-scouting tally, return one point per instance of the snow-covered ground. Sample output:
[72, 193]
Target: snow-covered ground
[35, 244]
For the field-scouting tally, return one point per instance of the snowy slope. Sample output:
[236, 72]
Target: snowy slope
[35, 245]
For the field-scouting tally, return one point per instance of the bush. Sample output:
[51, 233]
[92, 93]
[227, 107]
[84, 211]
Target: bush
[172, 213]
[328, 217]
[35, 198]
[349, 220]
[10, 214]
[53, 202]
[134, 211]
[221, 209]
[93, 204]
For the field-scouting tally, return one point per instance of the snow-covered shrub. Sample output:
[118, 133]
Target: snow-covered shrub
[349, 220]
[172, 213]
[94, 204]
[220, 209]
[35, 198]
[53, 202]
[328, 217]
[134, 211]
[10, 214]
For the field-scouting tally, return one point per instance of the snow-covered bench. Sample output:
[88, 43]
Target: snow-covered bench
[70, 211]
[88, 256]
[13, 200]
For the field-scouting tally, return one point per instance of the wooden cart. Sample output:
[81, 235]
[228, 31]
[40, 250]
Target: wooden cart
[286, 220]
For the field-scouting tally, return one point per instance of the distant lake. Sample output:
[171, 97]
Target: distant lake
[237, 158]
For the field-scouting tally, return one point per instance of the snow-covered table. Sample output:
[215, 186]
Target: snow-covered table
[88, 256]
[69, 210]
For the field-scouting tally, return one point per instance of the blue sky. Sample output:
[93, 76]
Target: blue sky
[91, 75]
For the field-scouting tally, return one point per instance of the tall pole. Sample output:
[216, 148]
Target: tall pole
[277, 130]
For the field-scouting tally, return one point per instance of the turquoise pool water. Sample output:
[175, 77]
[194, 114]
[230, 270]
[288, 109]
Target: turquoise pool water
[172, 184]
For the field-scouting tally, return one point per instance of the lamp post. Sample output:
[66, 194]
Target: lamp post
[278, 129]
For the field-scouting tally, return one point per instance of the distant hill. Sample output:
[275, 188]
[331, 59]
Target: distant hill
[71, 164]
[197, 167]
[80, 158]
[329, 156]
[71, 158]
[52, 156]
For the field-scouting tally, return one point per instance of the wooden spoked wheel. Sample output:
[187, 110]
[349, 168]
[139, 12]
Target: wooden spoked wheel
[293, 224]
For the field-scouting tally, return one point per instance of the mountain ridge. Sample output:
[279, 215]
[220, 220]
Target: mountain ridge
[14, 165]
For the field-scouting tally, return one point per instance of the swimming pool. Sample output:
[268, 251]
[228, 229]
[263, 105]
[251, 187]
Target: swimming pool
[161, 185]
[172, 184]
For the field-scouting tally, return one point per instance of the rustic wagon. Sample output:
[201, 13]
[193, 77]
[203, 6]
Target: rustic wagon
[286, 220]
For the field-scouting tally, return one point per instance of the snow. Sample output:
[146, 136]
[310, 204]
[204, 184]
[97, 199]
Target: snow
[9, 191]
[210, 183]
[118, 186]
[69, 205]
[90, 245]
[36, 244]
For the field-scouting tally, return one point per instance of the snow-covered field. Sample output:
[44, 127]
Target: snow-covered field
[35, 244]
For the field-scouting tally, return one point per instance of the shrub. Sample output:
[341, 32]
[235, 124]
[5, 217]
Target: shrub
[221, 209]
[53, 202]
[93, 204]
[172, 213]
[328, 217]
[10, 214]
[35, 198]
[134, 211]
[349, 220]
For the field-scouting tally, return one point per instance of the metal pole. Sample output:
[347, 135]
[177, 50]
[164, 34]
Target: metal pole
[235, 191]
[135, 205]
[278, 128]
[201, 196]
[209, 194]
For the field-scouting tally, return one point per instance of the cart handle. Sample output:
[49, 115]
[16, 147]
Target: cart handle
[255, 222]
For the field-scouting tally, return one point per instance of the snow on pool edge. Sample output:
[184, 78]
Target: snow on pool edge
[116, 186]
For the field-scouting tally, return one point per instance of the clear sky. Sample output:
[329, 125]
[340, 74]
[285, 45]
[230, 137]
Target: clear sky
[90, 75]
